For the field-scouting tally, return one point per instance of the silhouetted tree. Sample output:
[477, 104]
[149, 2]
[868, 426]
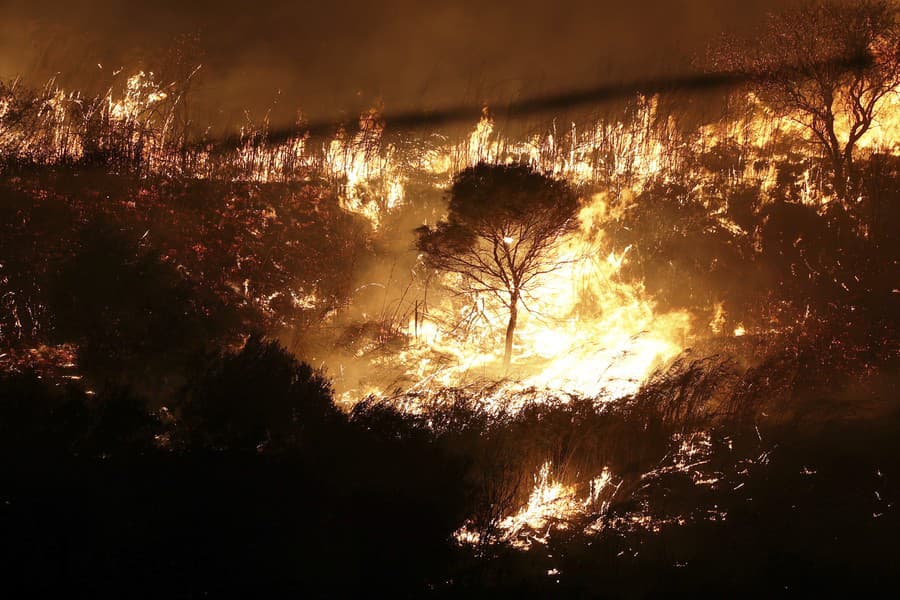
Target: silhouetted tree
[504, 223]
[803, 59]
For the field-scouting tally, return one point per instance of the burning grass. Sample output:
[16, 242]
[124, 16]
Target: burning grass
[715, 298]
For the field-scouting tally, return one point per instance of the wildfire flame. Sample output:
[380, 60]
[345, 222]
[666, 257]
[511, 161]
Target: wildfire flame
[550, 504]
[583, 330]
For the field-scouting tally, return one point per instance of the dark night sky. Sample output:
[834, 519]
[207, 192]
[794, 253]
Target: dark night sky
[329, 57]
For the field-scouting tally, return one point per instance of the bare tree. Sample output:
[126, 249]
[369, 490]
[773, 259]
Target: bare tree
[503, 225]
[827, 65]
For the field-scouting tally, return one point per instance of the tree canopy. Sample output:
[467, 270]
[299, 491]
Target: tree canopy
[503, 223]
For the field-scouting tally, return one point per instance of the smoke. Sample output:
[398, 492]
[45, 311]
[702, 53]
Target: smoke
[332, 60]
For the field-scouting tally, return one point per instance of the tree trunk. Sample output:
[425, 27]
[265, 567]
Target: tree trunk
[511, 329]
[840, 177]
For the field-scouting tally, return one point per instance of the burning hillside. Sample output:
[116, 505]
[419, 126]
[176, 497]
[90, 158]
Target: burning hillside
[564, 338]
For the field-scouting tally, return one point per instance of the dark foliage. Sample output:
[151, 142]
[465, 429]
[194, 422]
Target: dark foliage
[133, 317]
[787, 266]
[259, 397]
[98, 501]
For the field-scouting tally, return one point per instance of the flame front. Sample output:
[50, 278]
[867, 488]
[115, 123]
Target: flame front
[583, 332]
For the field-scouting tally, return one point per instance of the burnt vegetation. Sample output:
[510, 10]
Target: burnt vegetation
[170, 316]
